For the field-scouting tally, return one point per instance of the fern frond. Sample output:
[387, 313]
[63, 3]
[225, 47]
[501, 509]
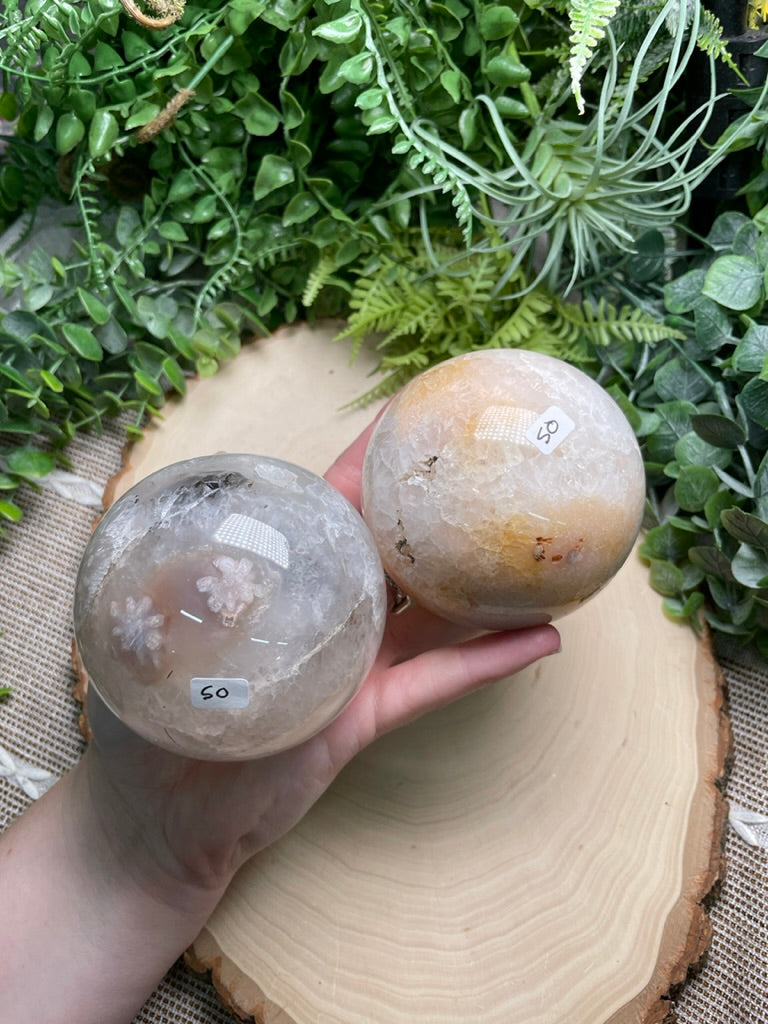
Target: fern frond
[475, 288]
[318, 278]
[384, 389]
[522, 325]
[420, 314]
[710, 39]
[604, 324]
[588, 19]
[426, 155]
[376, 303]
[89, 202]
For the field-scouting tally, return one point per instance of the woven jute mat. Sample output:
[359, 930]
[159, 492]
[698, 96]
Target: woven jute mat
[40, 740]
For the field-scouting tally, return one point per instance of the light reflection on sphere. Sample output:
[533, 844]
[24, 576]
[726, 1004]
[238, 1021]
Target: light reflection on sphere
[229, 606]
[503, 488]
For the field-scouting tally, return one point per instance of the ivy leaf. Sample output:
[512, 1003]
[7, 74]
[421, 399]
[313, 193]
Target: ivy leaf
[340, 30]
[713, 327]
[103, 132]
[734, 281]
[274, 172]
[647, 262]
[358, 69]
[300, 208]
[451, 82]
[674, 422]
[259, 116]
[692, 450]
[761, 488]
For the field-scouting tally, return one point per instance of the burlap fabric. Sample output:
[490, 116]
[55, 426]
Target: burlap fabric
[39, 741]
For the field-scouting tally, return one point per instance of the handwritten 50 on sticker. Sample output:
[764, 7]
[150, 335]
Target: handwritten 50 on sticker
[216, 694]
[550, 429]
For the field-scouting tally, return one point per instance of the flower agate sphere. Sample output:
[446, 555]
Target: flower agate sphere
[228, 607]
[503, 488]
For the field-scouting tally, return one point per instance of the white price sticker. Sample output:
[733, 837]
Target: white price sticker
[550, 429]
[219, 694]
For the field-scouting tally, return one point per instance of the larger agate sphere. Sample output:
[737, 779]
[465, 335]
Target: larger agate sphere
[503, 488]
[228, 607]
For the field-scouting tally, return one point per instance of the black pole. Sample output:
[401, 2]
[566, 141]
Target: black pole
[720, 188]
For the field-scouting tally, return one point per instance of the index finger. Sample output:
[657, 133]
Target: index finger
[346, 473]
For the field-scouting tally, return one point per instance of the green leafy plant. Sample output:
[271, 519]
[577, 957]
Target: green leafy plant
[424, 169]
[686, 359]
[423, 315]
[700, 408]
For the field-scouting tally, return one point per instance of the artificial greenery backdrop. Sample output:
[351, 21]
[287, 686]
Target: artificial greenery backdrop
[446, 175]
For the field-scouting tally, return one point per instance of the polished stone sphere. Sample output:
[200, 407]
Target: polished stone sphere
[503, 488]
[229, 606]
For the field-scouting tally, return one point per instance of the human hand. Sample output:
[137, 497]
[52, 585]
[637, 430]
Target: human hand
[112, 874]
[195, 822]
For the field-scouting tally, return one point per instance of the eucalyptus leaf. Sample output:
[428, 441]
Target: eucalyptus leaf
[693, 450]
[680, 379]
[753, 399]
[665, 578]
[750, 566]
[83, 341]
[751, 353]
[745, 527]
[712, 327]
[665, 543]
[734, 281]
[682, 293]
[29, 462]
[718, 431]
[647, 261]
[712, 560]
[715, 507]
[694, 486]
[11, 511]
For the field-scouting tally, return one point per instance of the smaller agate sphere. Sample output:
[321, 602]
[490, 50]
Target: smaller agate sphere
[229, 606]
[503, 488]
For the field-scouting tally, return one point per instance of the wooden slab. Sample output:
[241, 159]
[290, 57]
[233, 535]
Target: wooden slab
[534, 854]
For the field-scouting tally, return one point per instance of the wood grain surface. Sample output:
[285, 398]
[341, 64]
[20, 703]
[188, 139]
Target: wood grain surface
[536, 853]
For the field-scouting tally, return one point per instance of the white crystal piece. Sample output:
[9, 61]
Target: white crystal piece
[229, 567]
